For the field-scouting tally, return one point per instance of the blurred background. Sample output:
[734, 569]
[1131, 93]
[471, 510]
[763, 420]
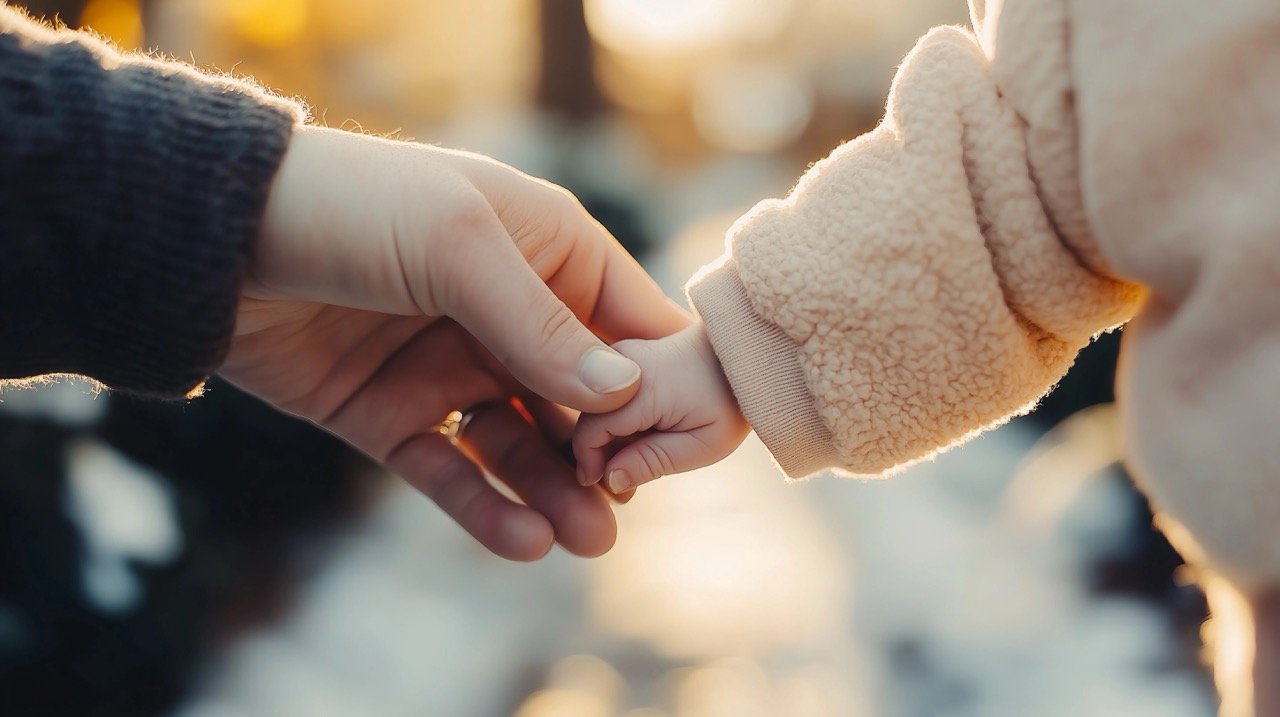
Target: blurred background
[216, 559]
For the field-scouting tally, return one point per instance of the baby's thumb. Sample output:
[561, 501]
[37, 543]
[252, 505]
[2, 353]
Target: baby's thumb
[652, 457]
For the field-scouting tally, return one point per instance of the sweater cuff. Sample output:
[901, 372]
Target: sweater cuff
[131, 192]
[213, 152]
[762, 364]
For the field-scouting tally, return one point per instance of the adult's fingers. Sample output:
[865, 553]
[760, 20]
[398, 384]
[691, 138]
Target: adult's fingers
[495, 294]
[435, 467]
[556, 424]
[392, 416]
[620, 498]
[596, 276]
[515, 452]
[555, 421]
[400, 392]
[584, 264]
[631, 305]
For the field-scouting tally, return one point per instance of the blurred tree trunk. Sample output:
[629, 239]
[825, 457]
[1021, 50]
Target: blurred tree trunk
[66, 10]
[567, 84]
[70, 11]
[145, 8]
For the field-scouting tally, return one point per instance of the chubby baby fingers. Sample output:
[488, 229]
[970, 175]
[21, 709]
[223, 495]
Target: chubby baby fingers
[595, 439]
[655, 455]
[588, 450]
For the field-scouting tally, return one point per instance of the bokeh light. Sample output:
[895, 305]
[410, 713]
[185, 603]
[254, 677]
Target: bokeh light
[751, 106]
[269, 23]
[698, 572]
[664, 26]
[119, 20]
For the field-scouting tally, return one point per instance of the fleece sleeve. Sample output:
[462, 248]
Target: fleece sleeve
[1179, 106]
[925, 281]
[130, 191]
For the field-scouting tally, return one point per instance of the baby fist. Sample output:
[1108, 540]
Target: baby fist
[683, 417]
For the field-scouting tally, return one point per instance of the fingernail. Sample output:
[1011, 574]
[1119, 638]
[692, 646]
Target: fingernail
[582, 477]
[624, 498]
[618, 481]
[606, 371]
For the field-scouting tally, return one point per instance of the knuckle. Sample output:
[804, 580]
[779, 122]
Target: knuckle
[456, 216]
[475, 512]
[443, 483]
[657, 461]
[634, 349]
[596, 435]
[440, 471]
[543, 243]
[466, 223]
[542, 228]
[516, 457]
[557, 325]
[585, 431]
[468, 214]
[456, 226]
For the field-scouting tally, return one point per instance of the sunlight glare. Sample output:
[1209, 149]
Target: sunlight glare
[562, 703]
[589, 675]
[660, 26]
[751, 106]
[729, 687]
[722, 562]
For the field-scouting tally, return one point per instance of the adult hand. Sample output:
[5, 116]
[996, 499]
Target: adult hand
[395, 282]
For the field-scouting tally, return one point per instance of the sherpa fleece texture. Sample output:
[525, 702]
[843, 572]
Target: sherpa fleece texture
[131, 190]
[1068, 165]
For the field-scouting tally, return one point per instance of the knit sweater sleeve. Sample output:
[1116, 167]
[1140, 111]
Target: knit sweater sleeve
[927, 280]
[130, 191]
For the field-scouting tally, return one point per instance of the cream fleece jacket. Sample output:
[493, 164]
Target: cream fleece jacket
[1066, 166]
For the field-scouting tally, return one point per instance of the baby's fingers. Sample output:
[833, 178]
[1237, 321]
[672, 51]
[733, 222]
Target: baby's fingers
[594, 441]
[655, 455]
[589, 453]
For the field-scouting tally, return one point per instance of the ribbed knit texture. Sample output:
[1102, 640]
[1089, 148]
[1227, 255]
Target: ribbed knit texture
[762, 364]
[130, 192]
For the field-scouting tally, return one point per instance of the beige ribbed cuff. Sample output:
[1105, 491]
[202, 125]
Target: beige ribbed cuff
[762, 364]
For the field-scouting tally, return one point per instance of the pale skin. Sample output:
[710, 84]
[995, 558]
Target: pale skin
[682, 418]
[395, 282]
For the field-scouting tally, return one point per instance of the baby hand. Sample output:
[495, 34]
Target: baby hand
[684, 416]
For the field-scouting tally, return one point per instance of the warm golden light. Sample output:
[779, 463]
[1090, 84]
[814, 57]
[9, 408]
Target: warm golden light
[751, 106]
[562, 703]
[269, 23]
[119, 20]
[640, 26]
[1229, 639]
[578, 686]
[722, 562]
[728, 687]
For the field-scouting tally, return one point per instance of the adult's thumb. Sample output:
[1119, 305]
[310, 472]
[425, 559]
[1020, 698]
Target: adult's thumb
[533, 333]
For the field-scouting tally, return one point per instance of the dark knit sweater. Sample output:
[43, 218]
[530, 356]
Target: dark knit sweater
[130, 192]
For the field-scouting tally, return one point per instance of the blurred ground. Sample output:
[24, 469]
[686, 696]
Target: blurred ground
[217, 560]
[968, 586]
